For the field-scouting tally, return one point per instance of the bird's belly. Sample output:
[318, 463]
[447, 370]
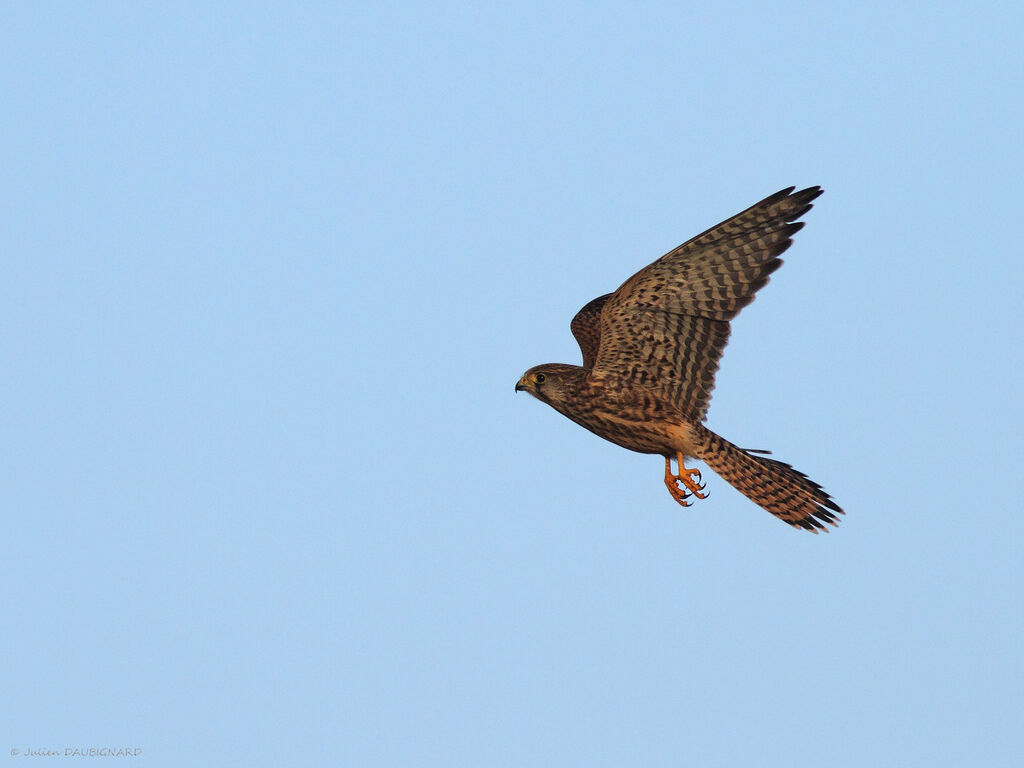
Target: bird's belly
[634, 435]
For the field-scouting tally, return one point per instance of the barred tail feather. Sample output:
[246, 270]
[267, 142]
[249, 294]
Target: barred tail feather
[785, 492]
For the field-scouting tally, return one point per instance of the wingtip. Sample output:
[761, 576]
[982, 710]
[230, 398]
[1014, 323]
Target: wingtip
[811, 193]
[796, 204]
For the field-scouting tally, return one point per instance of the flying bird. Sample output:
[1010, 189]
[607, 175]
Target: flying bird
[651, 351]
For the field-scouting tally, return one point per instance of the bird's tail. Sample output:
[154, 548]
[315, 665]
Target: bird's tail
[785, 492]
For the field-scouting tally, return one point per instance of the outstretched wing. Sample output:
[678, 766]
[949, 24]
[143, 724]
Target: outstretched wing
[667, 325]
[586, 327]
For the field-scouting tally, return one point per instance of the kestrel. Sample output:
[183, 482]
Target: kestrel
[651, 350]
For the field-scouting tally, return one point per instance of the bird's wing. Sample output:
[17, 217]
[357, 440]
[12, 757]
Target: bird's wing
[586, 327]
[667, 325]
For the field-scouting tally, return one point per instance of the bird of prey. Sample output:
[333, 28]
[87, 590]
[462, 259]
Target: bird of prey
[651, 350]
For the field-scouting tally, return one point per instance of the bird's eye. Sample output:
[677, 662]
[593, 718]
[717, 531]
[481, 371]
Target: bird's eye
[539, 378]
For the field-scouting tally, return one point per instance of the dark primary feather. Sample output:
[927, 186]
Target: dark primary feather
[667, 325]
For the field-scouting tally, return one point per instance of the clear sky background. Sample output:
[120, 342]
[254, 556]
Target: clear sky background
[270, 272]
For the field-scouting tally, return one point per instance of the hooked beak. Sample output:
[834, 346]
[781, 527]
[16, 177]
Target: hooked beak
[521, 386]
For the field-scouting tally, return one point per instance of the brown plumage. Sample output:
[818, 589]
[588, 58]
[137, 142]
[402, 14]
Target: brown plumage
[651, 351]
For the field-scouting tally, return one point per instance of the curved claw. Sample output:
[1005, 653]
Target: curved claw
[685, 483]
[680, 494]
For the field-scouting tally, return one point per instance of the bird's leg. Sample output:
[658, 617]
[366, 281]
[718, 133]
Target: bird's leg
[690, 478]
[679, 494]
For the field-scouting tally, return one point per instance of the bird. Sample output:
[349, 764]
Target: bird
[651, 350]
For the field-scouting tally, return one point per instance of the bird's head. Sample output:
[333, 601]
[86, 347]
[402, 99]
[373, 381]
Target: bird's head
[550, 382]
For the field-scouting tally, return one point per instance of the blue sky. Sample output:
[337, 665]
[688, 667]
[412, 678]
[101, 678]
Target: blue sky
[271, 271]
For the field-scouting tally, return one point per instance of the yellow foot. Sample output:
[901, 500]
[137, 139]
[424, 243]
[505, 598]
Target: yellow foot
[690, 479]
